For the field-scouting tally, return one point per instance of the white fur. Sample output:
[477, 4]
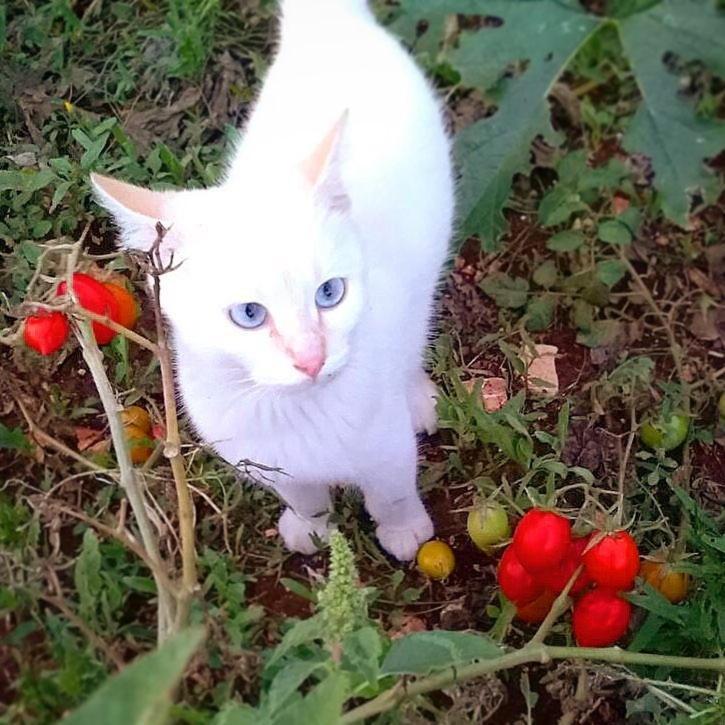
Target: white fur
[264, 235]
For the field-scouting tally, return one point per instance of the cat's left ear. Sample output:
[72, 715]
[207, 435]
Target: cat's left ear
[136, 211]
[321, 169]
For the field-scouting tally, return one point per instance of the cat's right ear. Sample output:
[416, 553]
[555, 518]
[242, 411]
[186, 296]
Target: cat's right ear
[135, 210]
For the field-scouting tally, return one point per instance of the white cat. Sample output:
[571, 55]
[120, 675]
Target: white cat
[301, 308]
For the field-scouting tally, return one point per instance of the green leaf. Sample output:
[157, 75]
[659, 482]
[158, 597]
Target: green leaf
[566, 241]
[141, 694]
[540, 34]
[610, 271]
[614, 231]
[540, 313]
[558, 205]
[323, 706]
[87, 574]
[236, 714]
[654, 602]
[506, 291]
[302, 632]
[546, 274]
[362, 651]
[600, 333]
[424, 652]
[288, 680]
[13, 439]
[665, 127]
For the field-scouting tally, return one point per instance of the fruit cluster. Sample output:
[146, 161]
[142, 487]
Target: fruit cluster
[544, 556]
[47, 331]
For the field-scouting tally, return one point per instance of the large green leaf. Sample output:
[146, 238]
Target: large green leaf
[541, 35]
[665, 127]
[425, 652]
[141, 693]
[523, 54]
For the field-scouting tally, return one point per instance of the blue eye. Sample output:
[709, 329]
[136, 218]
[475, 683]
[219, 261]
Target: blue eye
[330, 293]
[248, 314]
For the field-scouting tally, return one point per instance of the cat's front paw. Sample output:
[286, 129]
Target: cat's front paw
[403, 542]
[297, 532]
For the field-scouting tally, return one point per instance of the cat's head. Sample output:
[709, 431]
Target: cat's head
[268, 272]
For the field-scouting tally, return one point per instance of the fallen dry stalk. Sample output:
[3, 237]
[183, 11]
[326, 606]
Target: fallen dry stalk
[174, 598]
[128, 477]
[172, 448]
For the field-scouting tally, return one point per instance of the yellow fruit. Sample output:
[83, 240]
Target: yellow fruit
[137, 416]
[672, 585]
[138, 443]
[436, 560]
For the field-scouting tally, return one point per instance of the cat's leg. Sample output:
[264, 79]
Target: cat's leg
[388, 483]
[307, 514]
[422, 395]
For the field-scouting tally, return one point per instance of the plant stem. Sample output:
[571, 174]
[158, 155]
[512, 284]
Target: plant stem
[530, 653]
[172, 447]
[127, 479]
[675, 349]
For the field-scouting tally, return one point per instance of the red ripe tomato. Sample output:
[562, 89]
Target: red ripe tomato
[46, 332]
[614, 561]
[516, 583]
[541, 539]
[93, 296]
[536, 611]
[557, 577]
[600, 618]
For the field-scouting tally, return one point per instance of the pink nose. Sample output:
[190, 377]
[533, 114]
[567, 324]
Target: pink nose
[309, 364]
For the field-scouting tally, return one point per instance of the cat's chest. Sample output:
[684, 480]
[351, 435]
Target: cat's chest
[307, 436]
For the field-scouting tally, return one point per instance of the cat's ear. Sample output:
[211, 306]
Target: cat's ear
[136, 211]
[321, 169]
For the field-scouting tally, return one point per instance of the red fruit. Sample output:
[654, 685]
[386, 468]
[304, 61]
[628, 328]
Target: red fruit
[516, 583]
[46, 332]
[541, 540]
[600, 618]
[557, 577]
[536, 611]
[614, 561]
[93, 296]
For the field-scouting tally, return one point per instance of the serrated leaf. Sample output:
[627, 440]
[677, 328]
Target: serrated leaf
[566, 241]
[322, 706]
[510, 292]
[600, 333]
[558, 205]
[540, 33]
[361, 653]
[665, 127]
[540, 313]
[13, 439]
[610, 271]
[424, 652]
[302, 632]
[613, 231]
[87, 574]
[141, 693]
[546, 274]
[236, 714]
[287, 680]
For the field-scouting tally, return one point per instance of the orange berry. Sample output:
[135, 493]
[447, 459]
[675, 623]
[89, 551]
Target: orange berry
[128, 309]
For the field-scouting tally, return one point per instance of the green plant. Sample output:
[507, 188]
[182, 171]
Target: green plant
[519, 59]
